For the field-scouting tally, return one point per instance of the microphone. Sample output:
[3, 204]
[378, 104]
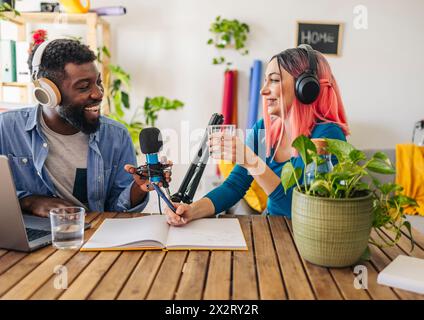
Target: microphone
[150, 144]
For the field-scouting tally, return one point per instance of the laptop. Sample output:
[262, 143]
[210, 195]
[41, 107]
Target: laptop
[18, 231]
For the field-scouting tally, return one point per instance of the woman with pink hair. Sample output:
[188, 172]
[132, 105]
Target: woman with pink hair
[300, 97]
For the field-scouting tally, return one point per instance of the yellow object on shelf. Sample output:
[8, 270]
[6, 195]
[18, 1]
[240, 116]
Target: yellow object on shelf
[75, 6]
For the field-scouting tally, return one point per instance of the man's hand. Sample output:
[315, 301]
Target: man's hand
[41, 205]
[143, 181]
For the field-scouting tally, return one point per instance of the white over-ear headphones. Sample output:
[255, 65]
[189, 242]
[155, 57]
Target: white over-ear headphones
[45, 91]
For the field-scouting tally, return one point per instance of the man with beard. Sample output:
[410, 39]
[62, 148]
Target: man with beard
[67, 154]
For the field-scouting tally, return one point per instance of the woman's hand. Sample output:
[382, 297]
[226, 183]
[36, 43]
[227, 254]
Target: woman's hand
[183, 214]
[143, 181]
[230, 148]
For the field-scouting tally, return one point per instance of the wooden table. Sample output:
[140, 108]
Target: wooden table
[271, 269]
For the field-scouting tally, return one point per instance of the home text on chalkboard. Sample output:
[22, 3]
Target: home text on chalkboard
[326, 38]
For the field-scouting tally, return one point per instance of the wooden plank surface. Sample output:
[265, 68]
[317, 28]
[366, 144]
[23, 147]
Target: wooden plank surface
[245, 282]
[344, 278]
[34, 280]
[18, 271]
[376, 291]
[141, 279]
[9, 259]
[218, 284]
[384, 256]
[110, 286]
[269, 276]
[3, 252]
[418, 237]
[90, 276]
[75, 265]
[296, 280]
[271, 269]
[194, 275]
[169, 274]
[405, 244]
[320, 278]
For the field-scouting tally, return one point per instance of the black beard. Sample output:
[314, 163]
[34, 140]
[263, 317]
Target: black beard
[75, 116]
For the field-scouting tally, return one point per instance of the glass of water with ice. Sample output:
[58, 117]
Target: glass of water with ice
[67, 227]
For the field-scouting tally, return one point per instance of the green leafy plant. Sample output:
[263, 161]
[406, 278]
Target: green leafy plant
[5, 7]
[228, 34]
[119, 101]
[347, 180]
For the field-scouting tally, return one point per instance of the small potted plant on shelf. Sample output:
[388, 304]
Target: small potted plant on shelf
[334, 211]
[8, 6]
[228, 34]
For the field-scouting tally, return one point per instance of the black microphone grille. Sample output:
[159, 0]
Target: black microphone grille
[150, 140]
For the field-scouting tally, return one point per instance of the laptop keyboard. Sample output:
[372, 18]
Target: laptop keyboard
[34, 234]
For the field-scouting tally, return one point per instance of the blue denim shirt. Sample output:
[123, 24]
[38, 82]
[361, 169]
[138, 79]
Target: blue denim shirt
[110, 148]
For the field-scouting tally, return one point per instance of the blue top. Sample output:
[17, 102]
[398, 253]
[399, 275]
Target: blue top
[238, 182]
[109, 149]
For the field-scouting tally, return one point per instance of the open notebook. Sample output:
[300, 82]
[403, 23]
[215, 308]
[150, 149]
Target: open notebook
[153, 232]
[404, 273]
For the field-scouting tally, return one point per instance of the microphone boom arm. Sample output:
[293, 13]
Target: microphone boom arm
[192, 178]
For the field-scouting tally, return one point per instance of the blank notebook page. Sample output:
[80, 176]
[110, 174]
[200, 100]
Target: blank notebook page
[208, 233]
[120, 232]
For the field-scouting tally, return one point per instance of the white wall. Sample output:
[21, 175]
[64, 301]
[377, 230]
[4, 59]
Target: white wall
[163, 44]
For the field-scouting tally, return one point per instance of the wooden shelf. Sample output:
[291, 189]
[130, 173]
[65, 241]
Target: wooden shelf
[92, 22]
[15, 84]
[54, 17]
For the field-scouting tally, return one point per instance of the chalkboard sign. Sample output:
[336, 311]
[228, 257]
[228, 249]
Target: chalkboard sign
[324, 37]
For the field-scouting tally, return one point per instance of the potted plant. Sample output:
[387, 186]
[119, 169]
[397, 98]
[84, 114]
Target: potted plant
[228, 34]
[6, 6]
[334, 213]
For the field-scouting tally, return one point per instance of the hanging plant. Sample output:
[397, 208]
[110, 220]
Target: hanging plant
[228, 34]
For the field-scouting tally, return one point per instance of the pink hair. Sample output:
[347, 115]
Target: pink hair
[327, 108]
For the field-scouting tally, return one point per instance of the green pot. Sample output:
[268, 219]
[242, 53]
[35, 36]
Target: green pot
[331, 232]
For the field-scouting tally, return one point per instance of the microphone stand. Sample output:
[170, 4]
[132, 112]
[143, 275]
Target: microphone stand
[194, 174]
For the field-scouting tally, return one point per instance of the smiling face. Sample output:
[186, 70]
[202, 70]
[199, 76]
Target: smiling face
[275, 86]
[82, 93]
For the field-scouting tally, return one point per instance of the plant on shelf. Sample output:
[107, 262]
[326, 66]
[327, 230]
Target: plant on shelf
[334, 212]
[228, 34]
[6, 7]
[37, 36]
[118, 99]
